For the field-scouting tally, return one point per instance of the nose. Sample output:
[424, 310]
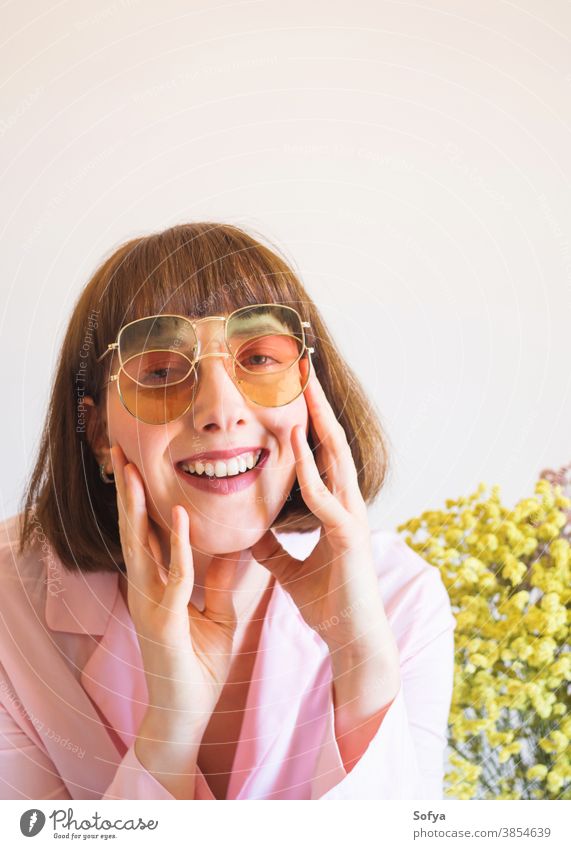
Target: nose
[218, 403]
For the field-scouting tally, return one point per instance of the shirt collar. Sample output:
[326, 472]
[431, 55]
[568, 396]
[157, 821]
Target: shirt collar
[79, 602]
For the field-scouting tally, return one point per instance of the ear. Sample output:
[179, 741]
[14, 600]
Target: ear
[96, 433]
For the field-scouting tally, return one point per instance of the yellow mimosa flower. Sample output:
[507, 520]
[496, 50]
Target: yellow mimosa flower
[537, 771]
[513, 619]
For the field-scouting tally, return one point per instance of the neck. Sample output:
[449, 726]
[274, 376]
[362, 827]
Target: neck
[254, 579]
[252, 582]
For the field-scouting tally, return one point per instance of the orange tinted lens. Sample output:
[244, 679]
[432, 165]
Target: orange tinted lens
[156, 382]
[159, 404]
[267, 343]
[273, 388]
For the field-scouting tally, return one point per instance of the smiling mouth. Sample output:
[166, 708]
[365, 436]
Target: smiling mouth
[235, 467]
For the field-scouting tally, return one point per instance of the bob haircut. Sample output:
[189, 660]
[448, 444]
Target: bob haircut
[193, 269]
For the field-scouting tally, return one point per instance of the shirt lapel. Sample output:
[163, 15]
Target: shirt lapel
[64, 719]
[114, 676]
[277, 743]
[291, 667]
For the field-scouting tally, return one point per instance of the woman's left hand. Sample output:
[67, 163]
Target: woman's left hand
[336, 588]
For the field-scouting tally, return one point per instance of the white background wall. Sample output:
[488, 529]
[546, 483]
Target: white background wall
[411, 158]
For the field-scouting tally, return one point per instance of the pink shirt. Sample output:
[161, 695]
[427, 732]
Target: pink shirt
[73, 690]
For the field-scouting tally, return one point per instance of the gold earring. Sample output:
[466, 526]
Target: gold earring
[104, 476]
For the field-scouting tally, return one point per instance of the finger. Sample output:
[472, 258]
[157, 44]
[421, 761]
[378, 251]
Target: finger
[180, 581]
[318, 498]
[155, 548]
[270, 553]
[118, 461]
[328, 430]
[145, 566]
[133, 527]
[330, 435]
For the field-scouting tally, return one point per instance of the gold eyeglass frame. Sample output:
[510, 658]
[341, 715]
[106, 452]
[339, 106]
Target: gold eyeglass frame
[193, 363]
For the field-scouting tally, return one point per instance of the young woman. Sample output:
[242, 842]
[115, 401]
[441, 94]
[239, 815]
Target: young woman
[193, 604]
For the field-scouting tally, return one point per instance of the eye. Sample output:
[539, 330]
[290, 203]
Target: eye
[157, 368]
[268, 360]
[160, 374]
[268, 353]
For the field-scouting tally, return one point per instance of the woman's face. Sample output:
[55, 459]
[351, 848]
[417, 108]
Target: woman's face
[219, 419]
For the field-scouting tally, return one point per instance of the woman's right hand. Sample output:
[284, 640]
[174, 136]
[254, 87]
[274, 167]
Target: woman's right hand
[186, 653]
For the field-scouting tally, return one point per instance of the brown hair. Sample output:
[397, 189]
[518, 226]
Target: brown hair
[190, 269]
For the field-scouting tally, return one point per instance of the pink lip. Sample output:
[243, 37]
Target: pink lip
[223, 454]
[226, 486]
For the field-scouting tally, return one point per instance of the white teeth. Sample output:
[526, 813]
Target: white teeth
[224, 468]
[232, 466]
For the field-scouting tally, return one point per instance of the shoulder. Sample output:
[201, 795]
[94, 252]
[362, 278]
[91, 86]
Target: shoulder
[9, 544]
[9, 539]
[413, 592]
[398, 565]
[9, 529]
[21, 575]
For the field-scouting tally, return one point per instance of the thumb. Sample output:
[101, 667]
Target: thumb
[220, 583]
[270, 553]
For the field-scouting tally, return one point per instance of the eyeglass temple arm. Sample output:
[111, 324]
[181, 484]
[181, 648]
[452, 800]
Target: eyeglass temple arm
[110, 347]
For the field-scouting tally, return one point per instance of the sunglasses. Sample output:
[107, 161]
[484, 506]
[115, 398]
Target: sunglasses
[266, 357]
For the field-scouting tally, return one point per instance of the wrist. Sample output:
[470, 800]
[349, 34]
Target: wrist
[172, 728]
[172, 764]
[365, 658]
[156, 755]
[365, 679]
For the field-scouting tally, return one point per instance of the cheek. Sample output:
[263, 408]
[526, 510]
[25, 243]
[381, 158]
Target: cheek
[140, 443]
[281, 423]
[300, 416]
[282, 420]
[122, 427]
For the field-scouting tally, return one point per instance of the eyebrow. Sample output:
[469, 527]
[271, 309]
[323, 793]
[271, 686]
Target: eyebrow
[163, 336]
[268, 327]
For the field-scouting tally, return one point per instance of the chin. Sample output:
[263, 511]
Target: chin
[217, 539]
